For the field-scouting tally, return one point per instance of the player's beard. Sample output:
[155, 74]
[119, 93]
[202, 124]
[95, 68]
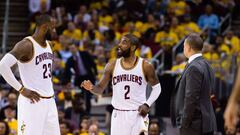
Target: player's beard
[124, 54]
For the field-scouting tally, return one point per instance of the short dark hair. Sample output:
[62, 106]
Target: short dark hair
[195, 41]
[134, 40]
[7, 127]
[43, 19]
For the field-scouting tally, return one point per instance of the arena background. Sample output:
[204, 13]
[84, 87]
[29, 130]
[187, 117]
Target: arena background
[96, 27]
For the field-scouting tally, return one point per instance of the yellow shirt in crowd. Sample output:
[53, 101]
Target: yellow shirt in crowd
[178, 6]
[76, 34]
[166, 39]
[179, 30]
[99, 133]
[225, 48]
[179, 67]
[234, 42]
[146, 54]
[97, 35]
[12, 125]
[190, 27]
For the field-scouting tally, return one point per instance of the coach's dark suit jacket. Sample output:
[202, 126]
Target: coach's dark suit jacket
[89, 65]
[191, 106]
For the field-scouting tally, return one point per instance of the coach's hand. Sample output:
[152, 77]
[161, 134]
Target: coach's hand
[86, 84]
[143, 110]
[32, 95]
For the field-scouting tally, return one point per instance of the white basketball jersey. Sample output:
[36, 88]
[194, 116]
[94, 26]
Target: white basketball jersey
[129, 86]
[36, 73]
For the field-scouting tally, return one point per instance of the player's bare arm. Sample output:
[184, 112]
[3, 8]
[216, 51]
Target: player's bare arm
[150, 74]
[152, 79]
[232, 111]
[23, 51]
[102, 84]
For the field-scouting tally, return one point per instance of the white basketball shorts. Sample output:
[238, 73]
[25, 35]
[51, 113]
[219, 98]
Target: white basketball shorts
[40, 118]
[128, 123]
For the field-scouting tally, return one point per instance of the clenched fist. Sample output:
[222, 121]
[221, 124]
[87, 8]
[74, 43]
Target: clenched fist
[86, 84]
[143, 110]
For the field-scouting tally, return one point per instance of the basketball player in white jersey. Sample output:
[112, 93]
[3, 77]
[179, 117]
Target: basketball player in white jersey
[37, 112]
[129, 76]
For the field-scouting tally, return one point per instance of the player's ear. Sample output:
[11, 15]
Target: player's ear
[133, 48]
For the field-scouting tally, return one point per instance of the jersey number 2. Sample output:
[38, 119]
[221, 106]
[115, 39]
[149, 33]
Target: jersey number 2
[47, 67]
[127, 89]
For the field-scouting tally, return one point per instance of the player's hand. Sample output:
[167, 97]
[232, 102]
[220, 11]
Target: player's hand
[86, 84]
[143, 110]
[231, 117]
[32, 95]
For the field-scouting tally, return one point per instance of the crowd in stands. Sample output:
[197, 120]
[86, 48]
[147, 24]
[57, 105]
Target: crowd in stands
[88, 32]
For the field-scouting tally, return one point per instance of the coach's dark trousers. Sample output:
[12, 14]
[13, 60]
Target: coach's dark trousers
[194, 129]
[86, 93]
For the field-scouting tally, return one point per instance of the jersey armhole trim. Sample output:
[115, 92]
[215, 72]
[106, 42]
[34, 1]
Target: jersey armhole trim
[50, 44]
[114, 68]
[33, 52]
[144, 74]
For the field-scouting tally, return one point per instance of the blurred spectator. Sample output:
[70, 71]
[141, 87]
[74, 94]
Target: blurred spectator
[92, 34]
[65, 128]
[233, 42]
[210, 20]
[85, 69]
[64, 52]
[222, 47]
[154, 129]
[178, 6]
[189, 26]
[78, 20]
[108, 114]
[94, 121]
[180, 63]
[210, 53]
[103, 27]
[10, 115]
[83, 12]
[101, 62]
[67, 99]
[61, 115]
[58, 71]
[12, 100]
[77, 110]
[188, 12]
[98, 51]
[84, 126]
[94, 130]
[4, 128]
[175, 27]
[166, 38]
[35, 5]
[222, 7]
[62, 19]
[3, 99]
[144, 52]
[150, 24]
[73, 33]
[109, 40]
